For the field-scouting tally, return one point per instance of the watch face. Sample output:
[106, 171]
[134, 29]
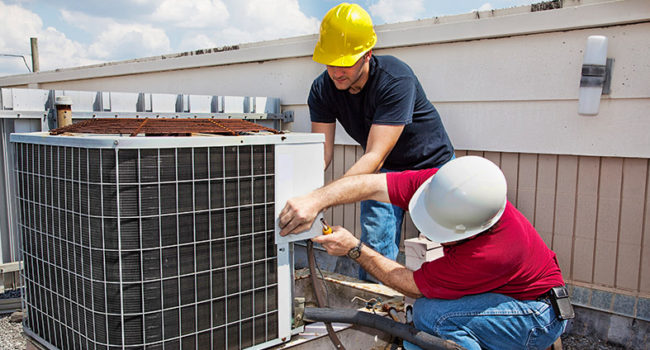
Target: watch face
[354, 253]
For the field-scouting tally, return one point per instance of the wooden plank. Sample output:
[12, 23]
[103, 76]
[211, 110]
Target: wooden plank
[631, 230]
[349, 212]
[494, 157]
[545, 197]
[409, 230]
[475, 153]
[357, 220]
[460, 153]
[585, 220]
[510, 168]
[565, 213]
[338, 163]
[329, 177]
[607, 224]
[526, 185]
[644, 283]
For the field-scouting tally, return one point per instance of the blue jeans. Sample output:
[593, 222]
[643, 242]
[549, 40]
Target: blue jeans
[489, 321]
[381, 227]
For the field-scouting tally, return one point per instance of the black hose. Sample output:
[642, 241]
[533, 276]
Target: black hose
[409, 333]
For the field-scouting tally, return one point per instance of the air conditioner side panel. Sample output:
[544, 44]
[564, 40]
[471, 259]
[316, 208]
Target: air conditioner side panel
[299, 170]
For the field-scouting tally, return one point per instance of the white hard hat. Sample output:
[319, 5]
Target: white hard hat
[465, 197]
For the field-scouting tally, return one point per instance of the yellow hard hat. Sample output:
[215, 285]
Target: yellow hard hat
[346, 34]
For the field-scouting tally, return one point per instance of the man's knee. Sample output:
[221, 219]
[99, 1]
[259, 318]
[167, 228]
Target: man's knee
[425, 314]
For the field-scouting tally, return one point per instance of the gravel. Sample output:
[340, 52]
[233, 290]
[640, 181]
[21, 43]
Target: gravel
[577, 342]
[11, 334]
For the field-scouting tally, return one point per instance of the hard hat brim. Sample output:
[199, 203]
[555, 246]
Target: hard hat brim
[434, 231]
[336, 60]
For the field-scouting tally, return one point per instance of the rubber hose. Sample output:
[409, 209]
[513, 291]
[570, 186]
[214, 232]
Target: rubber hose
[409, 333]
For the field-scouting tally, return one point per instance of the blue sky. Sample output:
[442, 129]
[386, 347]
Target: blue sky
[77, 33]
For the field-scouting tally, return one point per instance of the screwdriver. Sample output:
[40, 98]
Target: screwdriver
[326, 228]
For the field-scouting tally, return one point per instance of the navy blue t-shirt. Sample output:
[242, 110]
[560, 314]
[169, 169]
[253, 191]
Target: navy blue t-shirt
[391, 96]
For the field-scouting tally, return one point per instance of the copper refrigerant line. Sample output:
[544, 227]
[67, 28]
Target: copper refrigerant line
[164, 127]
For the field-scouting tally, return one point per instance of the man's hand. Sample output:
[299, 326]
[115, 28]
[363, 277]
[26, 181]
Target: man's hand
[339, 242]
[298, 214]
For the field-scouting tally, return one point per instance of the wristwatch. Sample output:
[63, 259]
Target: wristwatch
[355, 252]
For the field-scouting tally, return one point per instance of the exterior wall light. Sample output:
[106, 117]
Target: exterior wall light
[596, 75]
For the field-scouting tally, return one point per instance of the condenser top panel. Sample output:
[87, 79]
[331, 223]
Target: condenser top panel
[197, 140]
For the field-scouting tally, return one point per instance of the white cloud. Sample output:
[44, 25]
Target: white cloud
[258, 20]
[193, 41]
[113, 40]
[191, 14]
[129, 41]
[391, 11]
[87, 23]
[485, 7]
[127, 29]
[54, 48]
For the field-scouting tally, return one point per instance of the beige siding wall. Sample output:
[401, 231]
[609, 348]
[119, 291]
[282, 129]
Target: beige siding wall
[594, 212]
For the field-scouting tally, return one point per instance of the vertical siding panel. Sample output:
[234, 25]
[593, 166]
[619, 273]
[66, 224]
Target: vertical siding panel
[585, 221]
[494, 157]
[350, 155]
[565, 213]
[526, 186]
[460, 153]
[644, 284]
[329, 177]
[630, 238]
[357, 205]
[408, 228]
[475, 153]
[609, 205]
[510, 168]
[338, 160]
[545, 198]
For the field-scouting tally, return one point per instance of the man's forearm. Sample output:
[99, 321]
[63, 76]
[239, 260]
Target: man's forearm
[389, 272]
[369, 163]
[352, 189]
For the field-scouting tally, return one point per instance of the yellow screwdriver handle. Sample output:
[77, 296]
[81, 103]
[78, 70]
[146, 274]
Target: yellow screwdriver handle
[326, 228]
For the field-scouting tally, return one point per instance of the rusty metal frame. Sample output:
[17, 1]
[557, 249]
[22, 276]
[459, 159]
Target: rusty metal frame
[164, 127]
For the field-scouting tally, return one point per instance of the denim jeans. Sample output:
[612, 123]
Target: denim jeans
[381, 228]
[489, 321]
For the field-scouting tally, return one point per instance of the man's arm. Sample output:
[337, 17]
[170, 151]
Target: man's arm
[385, 270]
[329, 129]
[299, 212]
[381, 140]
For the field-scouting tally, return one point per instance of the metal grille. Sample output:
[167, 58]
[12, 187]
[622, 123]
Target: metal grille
[164, 127]
[168, 248]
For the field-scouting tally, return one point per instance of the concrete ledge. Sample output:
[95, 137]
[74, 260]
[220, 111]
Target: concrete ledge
[610, 302]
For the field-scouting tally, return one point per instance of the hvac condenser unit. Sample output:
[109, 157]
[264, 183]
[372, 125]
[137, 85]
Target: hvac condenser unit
[160, 242]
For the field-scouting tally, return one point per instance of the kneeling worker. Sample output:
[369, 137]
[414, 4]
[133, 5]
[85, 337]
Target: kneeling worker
[498, 286]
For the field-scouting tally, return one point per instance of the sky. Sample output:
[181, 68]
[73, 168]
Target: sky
[78, 33]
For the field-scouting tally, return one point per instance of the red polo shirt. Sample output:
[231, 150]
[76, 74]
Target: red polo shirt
[510, 259]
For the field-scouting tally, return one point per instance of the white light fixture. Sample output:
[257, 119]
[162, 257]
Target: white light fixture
[595, 79]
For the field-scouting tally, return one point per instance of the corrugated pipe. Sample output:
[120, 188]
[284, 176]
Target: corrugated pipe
[406, 332]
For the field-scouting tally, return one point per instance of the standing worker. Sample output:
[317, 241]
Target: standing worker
[497, 286]
[380, 103]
